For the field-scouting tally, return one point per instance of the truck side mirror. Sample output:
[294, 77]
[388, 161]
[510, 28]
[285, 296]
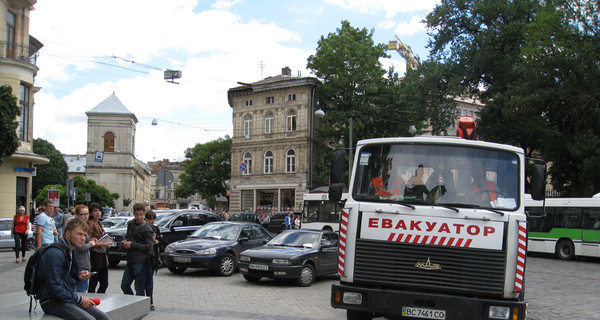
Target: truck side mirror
[337, 168]
[537, 187]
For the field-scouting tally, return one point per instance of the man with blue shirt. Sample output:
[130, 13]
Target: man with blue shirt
[289, 223]
[46, 230]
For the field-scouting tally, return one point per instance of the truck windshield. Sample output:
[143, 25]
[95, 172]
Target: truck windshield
[457, 176]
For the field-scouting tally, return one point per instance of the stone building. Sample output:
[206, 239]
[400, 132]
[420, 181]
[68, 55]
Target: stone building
[18, 53]
[271, 144]
[110, 159]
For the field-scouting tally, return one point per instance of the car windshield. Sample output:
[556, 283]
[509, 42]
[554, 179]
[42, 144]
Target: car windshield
[163, 218]
[444, 175]
[219, 231]
[296, 239]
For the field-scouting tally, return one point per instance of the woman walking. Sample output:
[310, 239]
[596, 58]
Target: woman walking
[98, 257]
[19, 231]
[83, 253]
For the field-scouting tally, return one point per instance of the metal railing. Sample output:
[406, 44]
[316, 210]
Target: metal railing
[18, 51]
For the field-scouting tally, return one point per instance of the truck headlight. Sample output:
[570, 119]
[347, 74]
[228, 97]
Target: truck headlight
[496, 312]
[352, 298]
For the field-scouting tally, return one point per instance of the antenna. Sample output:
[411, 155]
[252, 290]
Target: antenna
[261, 65]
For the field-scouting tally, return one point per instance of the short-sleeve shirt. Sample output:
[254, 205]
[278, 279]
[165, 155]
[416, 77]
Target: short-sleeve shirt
[47, 225]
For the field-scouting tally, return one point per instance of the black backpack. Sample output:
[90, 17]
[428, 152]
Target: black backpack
[33, 283]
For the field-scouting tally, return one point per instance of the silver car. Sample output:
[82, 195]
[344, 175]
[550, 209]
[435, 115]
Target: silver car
[6, 241]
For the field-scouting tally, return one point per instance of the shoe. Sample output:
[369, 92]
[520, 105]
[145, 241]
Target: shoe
[17, 260]
[23, 259]
[152, 307]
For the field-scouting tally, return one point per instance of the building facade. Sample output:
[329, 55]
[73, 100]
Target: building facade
[110, 159]
[18, 53]
[271, 164]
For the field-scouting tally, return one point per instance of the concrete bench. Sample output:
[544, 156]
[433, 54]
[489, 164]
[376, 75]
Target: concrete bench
[118, 306]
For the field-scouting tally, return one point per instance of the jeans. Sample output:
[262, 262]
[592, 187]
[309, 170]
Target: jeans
[72, 311]
[82, 285]
[135, 271]
[150, 283]
[20, 243]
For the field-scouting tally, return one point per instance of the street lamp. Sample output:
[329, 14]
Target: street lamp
[320, 113]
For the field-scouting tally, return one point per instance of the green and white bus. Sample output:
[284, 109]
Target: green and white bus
[568, 227]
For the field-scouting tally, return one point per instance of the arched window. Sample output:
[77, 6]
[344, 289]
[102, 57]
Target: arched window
[290, 121]
[290, 161]
[269, 119]
[247, 126]
[268, 162]
[109, 142]
[247, 159]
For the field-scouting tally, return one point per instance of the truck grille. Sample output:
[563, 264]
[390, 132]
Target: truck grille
[464, 270]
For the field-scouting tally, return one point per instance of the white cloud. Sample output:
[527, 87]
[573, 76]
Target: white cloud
[409, 28]
[391, 8]
[387, 24]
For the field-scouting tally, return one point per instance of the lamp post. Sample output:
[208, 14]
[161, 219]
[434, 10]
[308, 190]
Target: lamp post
[320, 113]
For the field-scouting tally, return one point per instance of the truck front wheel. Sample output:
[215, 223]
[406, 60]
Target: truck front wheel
[565, 250]
[358, 315]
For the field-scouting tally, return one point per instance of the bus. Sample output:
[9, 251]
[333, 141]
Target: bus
[568, 227]
[321, 214]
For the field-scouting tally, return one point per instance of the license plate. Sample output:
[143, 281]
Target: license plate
[182, 260]
[262, 267]
[423, 313]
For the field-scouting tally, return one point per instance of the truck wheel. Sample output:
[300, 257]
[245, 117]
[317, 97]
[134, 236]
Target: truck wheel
[565, 250]
[358, 315]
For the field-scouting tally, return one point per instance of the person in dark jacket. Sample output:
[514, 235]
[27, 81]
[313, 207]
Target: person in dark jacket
[56, 295]
[139, 242]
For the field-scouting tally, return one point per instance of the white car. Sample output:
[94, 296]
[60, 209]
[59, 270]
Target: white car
[7, 241]
[115, 222]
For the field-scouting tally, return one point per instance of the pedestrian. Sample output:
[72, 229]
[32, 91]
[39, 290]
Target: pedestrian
[289, 224]
[82, 253]
[139, 241]
[57, 217]
[154, 261]
[297, 222]
[19, 232]
[44, 225]
[98, 253]
[56, 294]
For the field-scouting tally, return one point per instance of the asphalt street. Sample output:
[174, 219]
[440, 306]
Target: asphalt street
[555, 289]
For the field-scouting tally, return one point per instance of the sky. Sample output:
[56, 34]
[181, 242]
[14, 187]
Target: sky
[95, 48]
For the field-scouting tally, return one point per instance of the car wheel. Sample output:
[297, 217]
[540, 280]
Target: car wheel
[112, 262]
[358, 315]
[565, 250]
[227, 265]
[31, 245]
[177, 270]
[252, 278]
[307, 276]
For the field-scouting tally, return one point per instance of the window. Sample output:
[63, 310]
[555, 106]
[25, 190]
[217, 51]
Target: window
[291, 97]
[290, 124]
[269, 119]
[290, 161]
[109, 142]
[24, 117]
[247, 126]
[247, 159]
[157, 194]
[268, 162]
[10, 34]
[270, 100]
[249, 103]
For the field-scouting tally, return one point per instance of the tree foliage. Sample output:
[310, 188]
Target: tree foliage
[99, 194]
[206, 170]
[52, 173]
[9, 111]
[535, 64]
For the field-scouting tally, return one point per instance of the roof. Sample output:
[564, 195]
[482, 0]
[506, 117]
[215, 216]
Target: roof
[75, 163]
[111, 105]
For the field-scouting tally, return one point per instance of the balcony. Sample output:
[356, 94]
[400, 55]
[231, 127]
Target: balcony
[18, 51]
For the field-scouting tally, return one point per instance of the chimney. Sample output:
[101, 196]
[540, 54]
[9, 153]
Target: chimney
[286, 71]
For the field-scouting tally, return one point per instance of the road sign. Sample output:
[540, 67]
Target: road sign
[243, 166]
[54, 195]
[165, 177]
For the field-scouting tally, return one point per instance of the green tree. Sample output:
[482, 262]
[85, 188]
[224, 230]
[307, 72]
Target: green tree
[9, 110]
[54, 172]
[206, 169]
[98, 193]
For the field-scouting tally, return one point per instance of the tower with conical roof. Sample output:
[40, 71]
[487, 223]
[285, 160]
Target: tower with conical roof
[110, 159]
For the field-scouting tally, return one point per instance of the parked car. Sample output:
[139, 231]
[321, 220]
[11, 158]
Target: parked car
[301, 255]
[124, 214]
[115, 222]
[174, 225]
[244, 216]
[216, 245]
[107, 212]
[7, 241]
[277, 223]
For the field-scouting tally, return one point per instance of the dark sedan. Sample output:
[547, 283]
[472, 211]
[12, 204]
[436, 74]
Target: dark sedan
[216, 246]
[301, 255]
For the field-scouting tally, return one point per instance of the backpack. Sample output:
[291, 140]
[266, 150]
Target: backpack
[33, 283]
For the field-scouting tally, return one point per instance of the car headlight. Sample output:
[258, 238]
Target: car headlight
[244, 258]
[206, 251]
[282, 261]
[168, 249]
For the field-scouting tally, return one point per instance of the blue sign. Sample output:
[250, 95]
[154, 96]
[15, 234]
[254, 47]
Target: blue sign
[99, 156]
[74, 193]
[243, 166]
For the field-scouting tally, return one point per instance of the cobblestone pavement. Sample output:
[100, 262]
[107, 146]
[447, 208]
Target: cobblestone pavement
[555, 289]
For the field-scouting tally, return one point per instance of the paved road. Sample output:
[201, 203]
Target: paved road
[555, 290]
